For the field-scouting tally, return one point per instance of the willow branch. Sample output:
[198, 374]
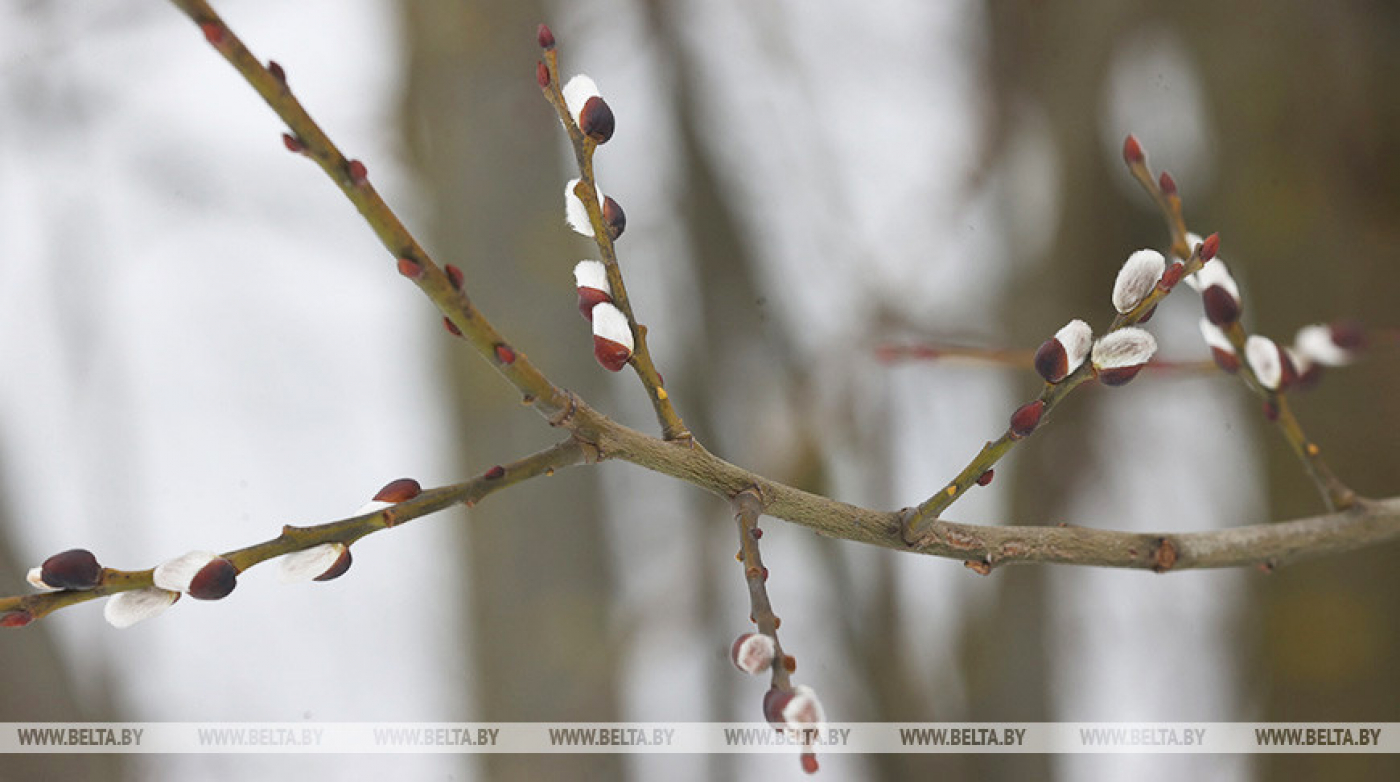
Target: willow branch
[747, 507]
[566, 453]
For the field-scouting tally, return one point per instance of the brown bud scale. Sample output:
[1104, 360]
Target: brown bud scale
[1222, 308]
[214, 581]
[400, 490]
[596, 120]
[1132, 150]
[358, 172]
[16, 619]
[1118, 376]
[410, 268]
[1027, 418]
[505, 354]
[495, 473]
[292, 143]
[612, 355]
[73, 569]
[451, 327]
[337, 568]
[455, 277]
[544, 36]
[1051, 362]
[986, 477]
[615, 218]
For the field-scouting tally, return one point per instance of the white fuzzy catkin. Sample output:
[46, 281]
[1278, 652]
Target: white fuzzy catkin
[592, 274]
[1076, 337]
[125, 609]
[1263, 357]
[577, 92]
[1125, 347]
[1136, 279]
[307, 564]
[609, 323]
[1215, 337]
[1315, 343]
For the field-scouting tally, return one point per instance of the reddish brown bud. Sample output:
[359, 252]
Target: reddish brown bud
[1117, 376]
[1146, 316]
[986, 477]
[358, 172]
[1027, 418]
[410, 268]
[612, 355]
[451, 327]
[1210, 247]
[214, 581]
[73, 569]
[495, 473]
[454, 276]
[1132, 151]
[544, 36]
[342, 564]
[789, 663]
[275, 68]
[588, 298]
[16, 618]
[400, 490]
[614, 217]
[757, 533]
[1051, 361]
[542, 75]
[1226, 360]
[292, 143]
[809, 762]
[1348, 335]
[1222, 308]
[1171, 276]
[213, 33]
[774, 701]
[1167, 184]
[505, 354]
[596, 120]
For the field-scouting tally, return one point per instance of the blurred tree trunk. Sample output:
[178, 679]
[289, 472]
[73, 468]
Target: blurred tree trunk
[486, 147]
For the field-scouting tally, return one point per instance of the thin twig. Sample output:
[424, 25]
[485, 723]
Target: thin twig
[748, 506]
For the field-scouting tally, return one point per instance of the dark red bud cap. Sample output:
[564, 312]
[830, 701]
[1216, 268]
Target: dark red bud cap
[1171, 276]
[213, 33]
[454, 276]
[1222, 308]
[495, 473]
[1051, 361]
[73, 569]
[214, 581]
[410, 268]
[986, 477]
[596, 120]
[401, 490]
[588, 298]
[1226, 360]
[292, 143]
[612, 355]
[1348, 335]
[1210, 247]
[275, 68]
[774, 701]
[505, 354]
[338, 568]
[451, 327]
[16, 618]
[809, 762]
[542, 75]
[1027, 418]
[544, 36]
[1118, 376]
[1146, 316]
[614, 217]
[1132, 150]
[1167, 184]
[358, 172]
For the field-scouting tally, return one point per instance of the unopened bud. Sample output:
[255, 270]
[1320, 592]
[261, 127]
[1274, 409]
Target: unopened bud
[1221, 307]
[596, 120]
[1132, 151]
[1027, 418]
[544, 36]
[1210, 246]
[615, 218]
[18, 618]
[399, 490]
[73, 569]
[357, 171]
[1167, 184]
[201, 574]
